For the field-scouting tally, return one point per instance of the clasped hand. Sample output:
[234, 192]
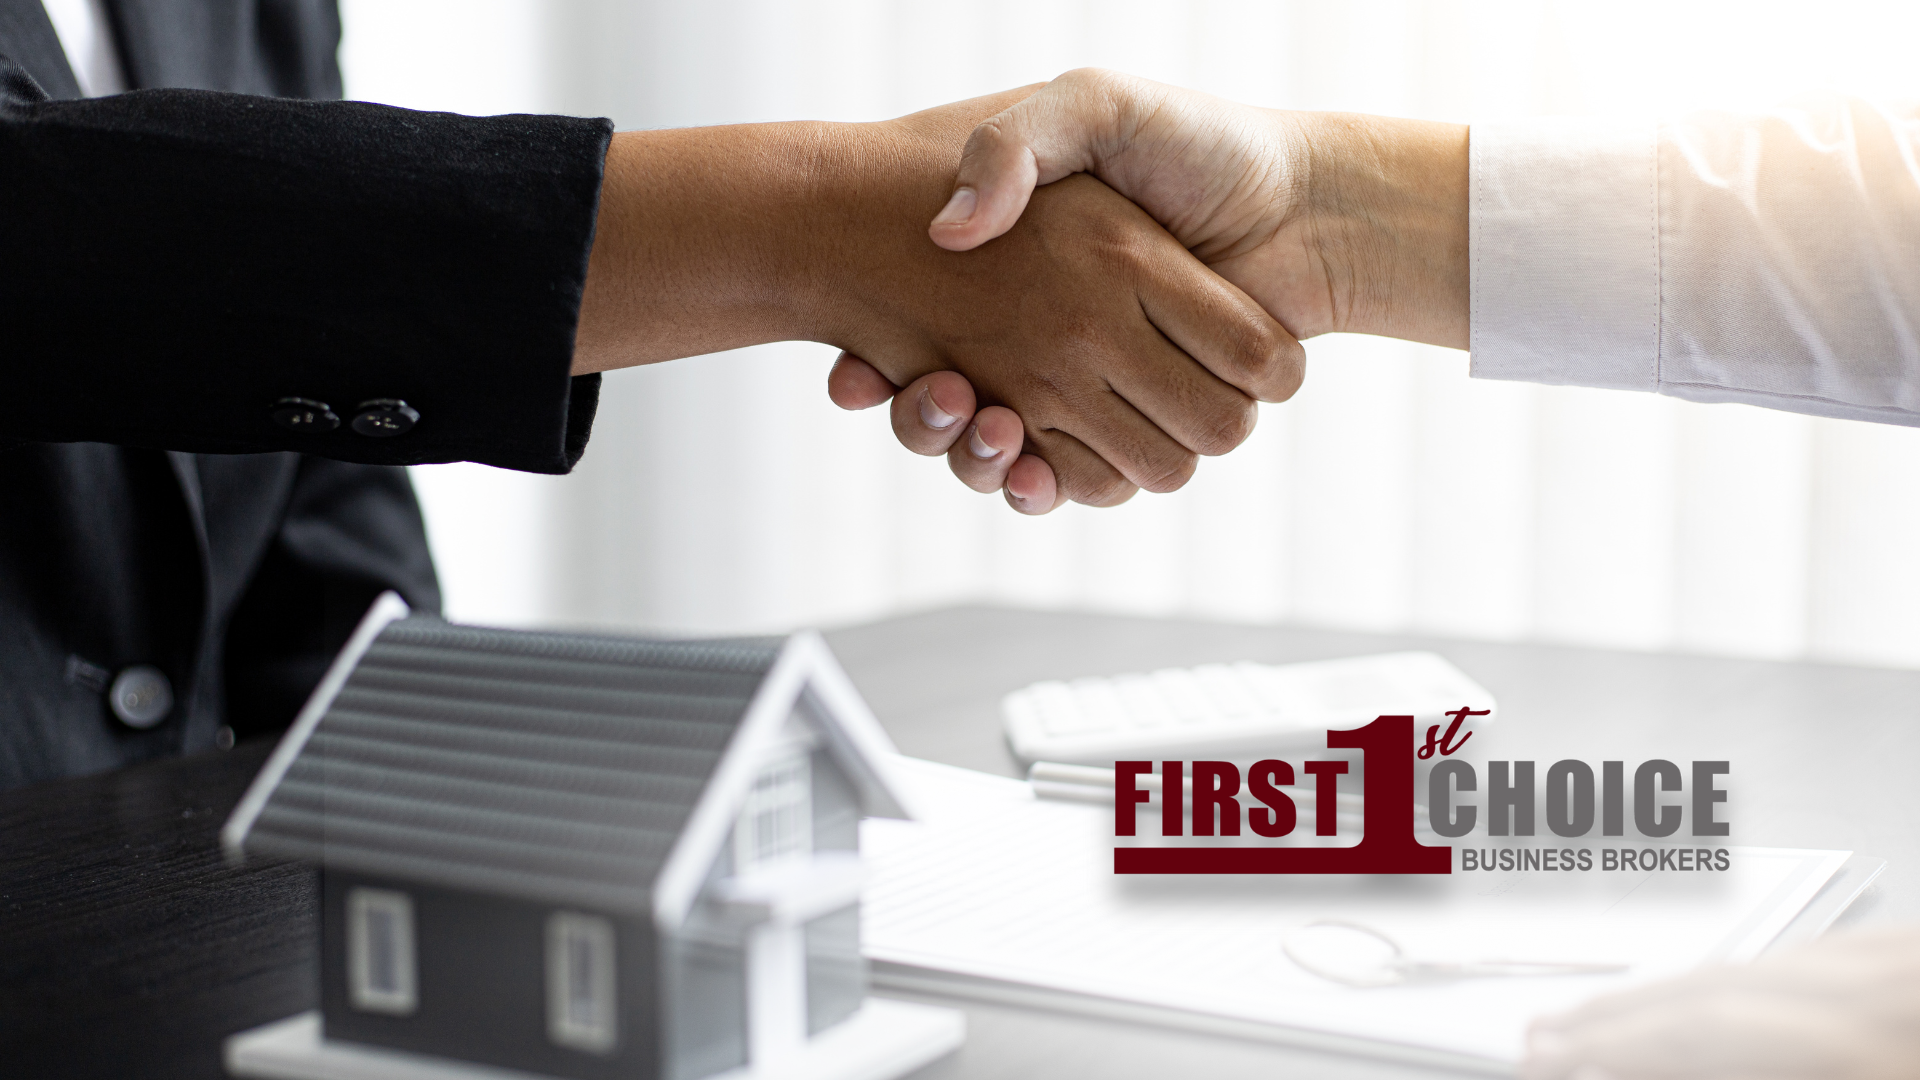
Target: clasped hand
[1326, 221]
[1096, 342]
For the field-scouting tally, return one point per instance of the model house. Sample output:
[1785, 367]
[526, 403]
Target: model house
[585, 857]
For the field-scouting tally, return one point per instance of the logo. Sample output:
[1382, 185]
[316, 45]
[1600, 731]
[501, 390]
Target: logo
[1222, 801]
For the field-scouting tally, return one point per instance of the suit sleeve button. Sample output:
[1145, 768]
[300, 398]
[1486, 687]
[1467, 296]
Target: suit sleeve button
[141, 696]
[304, 415]
[383, 418]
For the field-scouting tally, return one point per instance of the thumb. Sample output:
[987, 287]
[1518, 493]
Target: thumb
[1052, 134]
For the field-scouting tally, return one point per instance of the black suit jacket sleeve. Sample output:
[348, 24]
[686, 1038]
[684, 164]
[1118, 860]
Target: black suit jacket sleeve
[175, 262]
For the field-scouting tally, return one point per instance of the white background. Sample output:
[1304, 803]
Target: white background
[726, 494]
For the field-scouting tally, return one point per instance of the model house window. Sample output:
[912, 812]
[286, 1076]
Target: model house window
[580, 982]
[777, 820]
[380, 970]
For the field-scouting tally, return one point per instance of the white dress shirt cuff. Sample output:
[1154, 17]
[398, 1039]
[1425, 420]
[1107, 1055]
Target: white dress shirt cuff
[1565, 252]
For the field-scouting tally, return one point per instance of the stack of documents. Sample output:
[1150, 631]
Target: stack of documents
[997, 894]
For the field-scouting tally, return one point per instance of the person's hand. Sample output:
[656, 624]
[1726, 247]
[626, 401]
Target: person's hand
[1124, 356]
[1846, 1007]
[936, 414]
[1332, 222]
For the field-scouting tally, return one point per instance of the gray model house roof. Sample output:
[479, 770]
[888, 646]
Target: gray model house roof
[561, 768]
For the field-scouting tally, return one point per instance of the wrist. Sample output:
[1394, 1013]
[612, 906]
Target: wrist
[1385, 215]
[719, 238]
[704, 242]
[869, 185]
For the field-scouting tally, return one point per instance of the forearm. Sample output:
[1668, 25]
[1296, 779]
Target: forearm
[703, 241]
[1763, 259]
[718, 238]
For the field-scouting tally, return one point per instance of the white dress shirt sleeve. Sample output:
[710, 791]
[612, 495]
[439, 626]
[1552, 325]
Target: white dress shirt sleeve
[1768, 259]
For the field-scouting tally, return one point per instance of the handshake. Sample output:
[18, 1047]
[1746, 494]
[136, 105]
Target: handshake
[1058, 336]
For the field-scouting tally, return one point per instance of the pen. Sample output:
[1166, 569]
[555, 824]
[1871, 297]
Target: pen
[1090, 783]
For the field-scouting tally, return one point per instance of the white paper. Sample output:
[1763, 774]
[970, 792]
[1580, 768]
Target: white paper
[995, 884]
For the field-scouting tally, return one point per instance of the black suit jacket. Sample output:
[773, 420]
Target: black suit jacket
[173, 263]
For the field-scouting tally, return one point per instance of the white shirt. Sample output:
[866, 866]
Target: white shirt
[87, 39]
[1770, 259]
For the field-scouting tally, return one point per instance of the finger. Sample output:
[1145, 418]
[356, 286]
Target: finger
[1031, 487]
[1100, 419]
[931, 414]
[1081, 474]
[1223, 328]
[1722, 1036]
[854, 384]
[1181, 397]
[1134, 396]
[982, 457]
[1138, 449]
[1832, 968]
[1055, 133]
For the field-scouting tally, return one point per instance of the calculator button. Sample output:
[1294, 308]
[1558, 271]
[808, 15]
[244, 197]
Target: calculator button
[1059, 712]
[1145, 707]
[1230, 697]
[1099, 705]
[1266, 685]
[1182, 691]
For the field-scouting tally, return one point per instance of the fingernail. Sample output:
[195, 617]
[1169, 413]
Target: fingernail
[958, 210]
[931, 415]
[978, 447]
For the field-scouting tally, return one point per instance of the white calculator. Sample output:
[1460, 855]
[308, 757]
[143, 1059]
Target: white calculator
[1236, 709]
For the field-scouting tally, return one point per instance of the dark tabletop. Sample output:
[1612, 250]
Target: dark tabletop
[127, 949]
